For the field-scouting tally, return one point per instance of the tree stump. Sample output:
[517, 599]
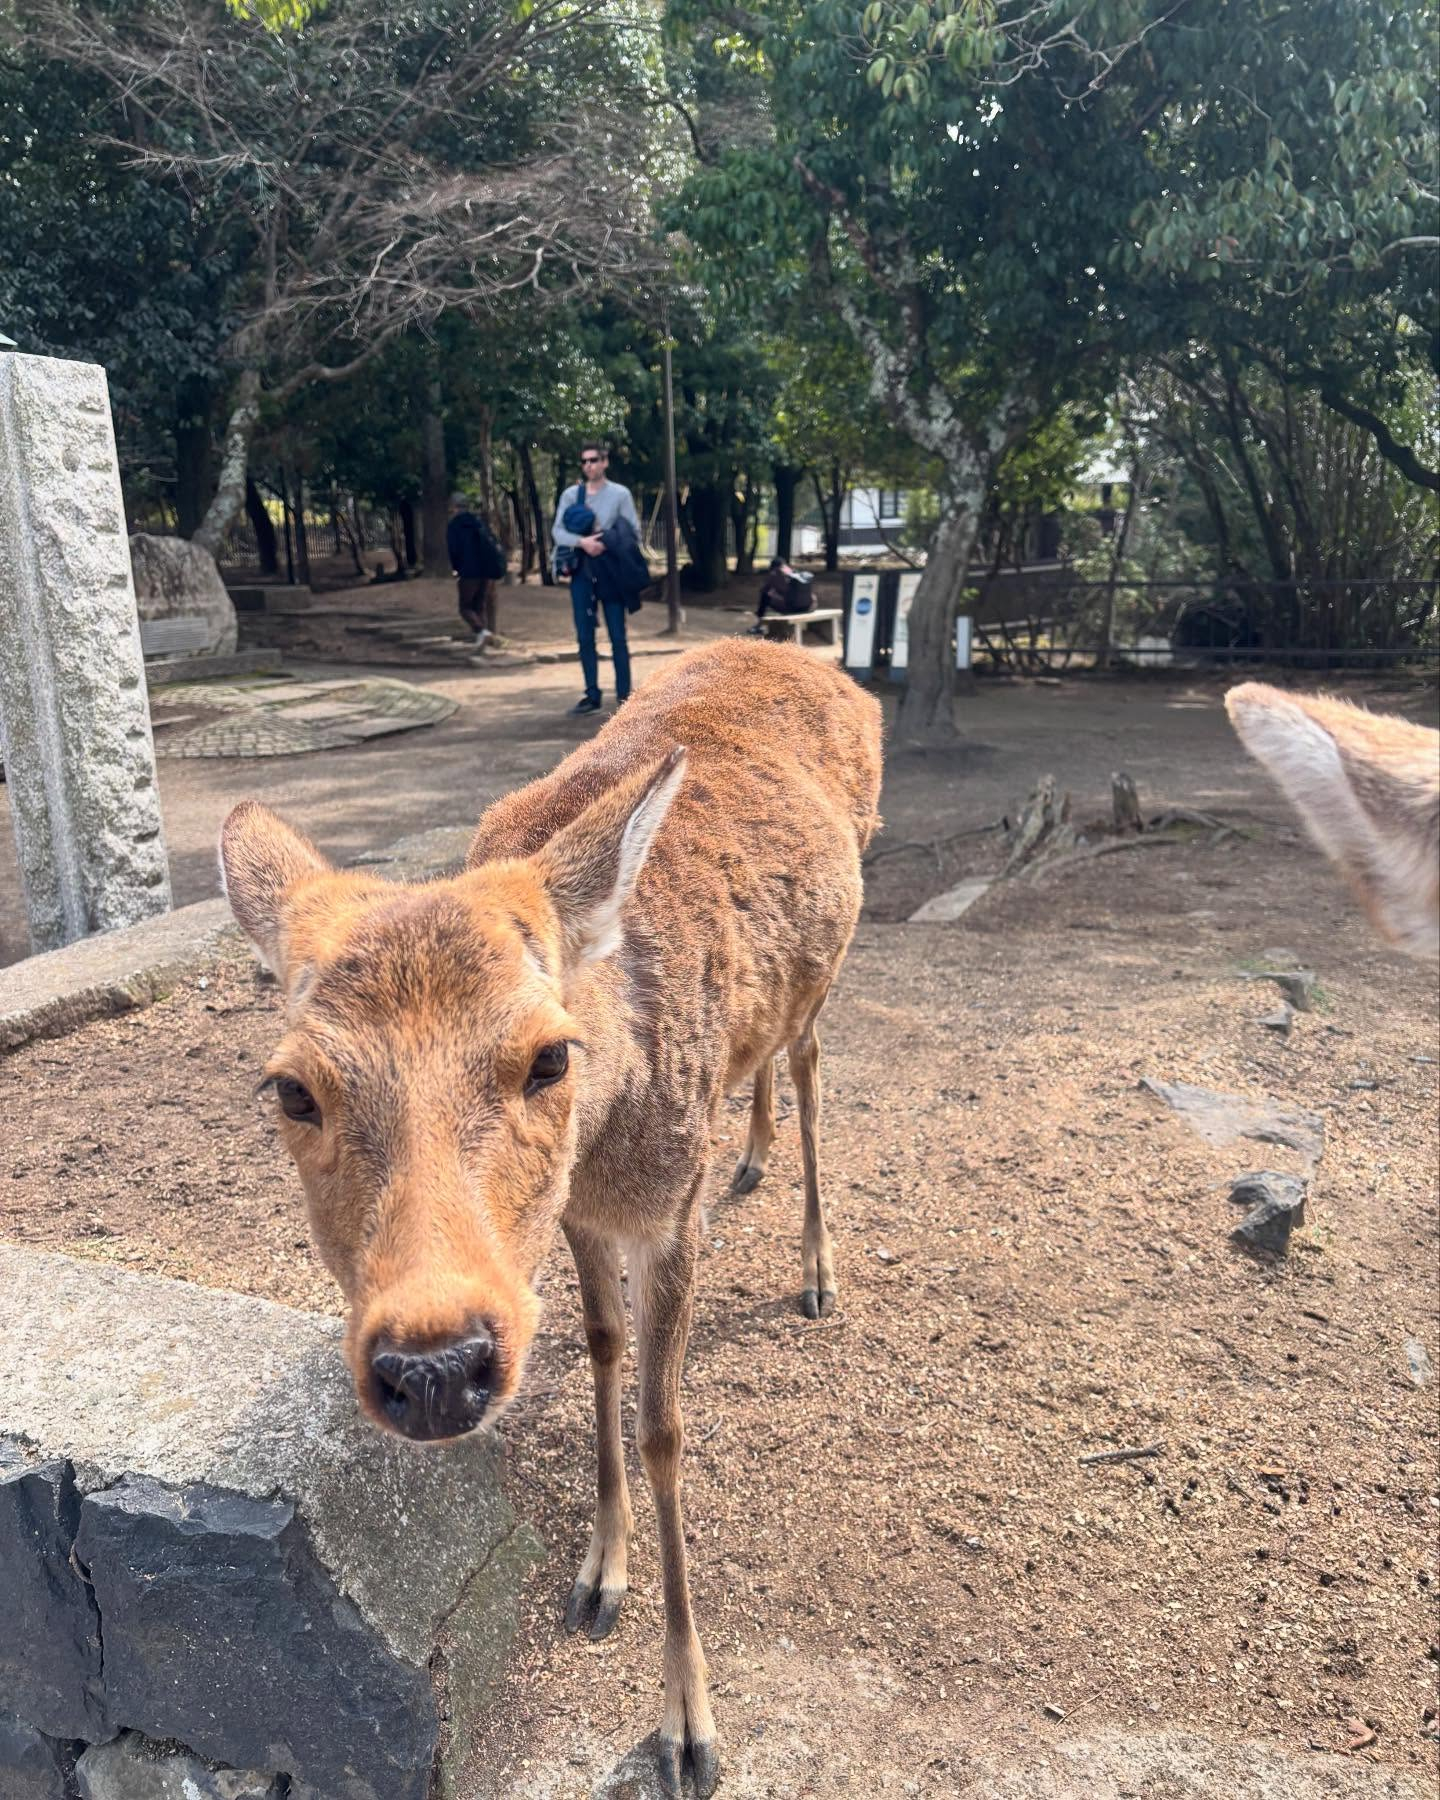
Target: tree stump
[1125, 803]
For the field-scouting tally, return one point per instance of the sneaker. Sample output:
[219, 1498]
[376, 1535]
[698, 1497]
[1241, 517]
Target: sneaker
[482, 638]
[587, 705]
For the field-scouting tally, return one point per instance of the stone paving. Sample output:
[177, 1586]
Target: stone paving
[290, 718]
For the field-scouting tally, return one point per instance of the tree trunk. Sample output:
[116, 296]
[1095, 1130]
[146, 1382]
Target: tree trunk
[926, 715]
[234, 463]
[434, 489]
[407, 526]
[520, 520]
[787, 479]
[264, 528]
[706, 519]
[194, 457]
[285, 521]
[742, 509]
[302, 541]
[831, 505]
[542, 530]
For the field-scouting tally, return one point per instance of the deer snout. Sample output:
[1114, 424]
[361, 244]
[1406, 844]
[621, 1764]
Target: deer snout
[436, 1393]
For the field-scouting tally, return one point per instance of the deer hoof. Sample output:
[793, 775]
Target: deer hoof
[671, 1756]
[817, 1303]
[748, 1176]
[606, 1604]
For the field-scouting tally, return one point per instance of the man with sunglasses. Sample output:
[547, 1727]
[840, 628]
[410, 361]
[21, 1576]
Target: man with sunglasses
[607, 501]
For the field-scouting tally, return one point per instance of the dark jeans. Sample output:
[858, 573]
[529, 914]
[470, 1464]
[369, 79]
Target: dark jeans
[477, 603]
[584, 603]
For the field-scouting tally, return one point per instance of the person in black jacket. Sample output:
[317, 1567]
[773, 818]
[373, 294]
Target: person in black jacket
[475, 557]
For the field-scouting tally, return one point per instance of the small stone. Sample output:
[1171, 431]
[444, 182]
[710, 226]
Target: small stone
[1054, 1712]
[884, 1255]
[1299, 988]
[1417, 1359]
[1280, 1021]
[1277, 1202]
[134, 1768]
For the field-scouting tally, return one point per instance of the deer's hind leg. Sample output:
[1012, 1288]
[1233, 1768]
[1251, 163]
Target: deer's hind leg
[817, 1292]
[751, 1165]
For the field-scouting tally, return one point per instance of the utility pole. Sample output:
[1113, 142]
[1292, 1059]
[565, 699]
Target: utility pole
[672, 554]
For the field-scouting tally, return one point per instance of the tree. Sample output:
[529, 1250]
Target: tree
[982, 191]
[364, 172]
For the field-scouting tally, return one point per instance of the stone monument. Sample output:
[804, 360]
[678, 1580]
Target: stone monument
[74, 714]
[177, 584]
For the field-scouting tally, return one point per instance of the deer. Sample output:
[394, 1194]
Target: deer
[1367, 787]
[545, 1040]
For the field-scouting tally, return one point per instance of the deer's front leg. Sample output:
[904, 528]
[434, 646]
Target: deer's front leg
[600, 1586]
[662, 1286]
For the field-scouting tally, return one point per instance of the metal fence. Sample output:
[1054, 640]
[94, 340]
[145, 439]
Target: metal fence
[1059, 620]
[350, 534]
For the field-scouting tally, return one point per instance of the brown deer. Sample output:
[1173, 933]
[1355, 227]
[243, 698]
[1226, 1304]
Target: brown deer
[1368, 789]
[546, 1040]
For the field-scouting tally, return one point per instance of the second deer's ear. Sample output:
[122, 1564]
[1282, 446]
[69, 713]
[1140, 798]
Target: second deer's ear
[1368, 789]
[590, 867]
[260, 859]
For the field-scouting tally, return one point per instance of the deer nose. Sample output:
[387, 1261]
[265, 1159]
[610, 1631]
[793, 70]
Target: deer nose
[439, 1393]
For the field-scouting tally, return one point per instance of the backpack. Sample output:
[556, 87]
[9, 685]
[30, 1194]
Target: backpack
[492, 556]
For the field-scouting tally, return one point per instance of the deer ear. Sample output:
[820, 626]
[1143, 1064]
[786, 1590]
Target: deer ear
[590, 867]
[1368, 790]
[260, 859]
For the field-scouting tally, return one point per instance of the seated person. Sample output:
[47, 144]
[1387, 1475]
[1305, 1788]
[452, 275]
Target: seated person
[784, 592]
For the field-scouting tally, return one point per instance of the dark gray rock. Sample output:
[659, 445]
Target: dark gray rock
[32, 1766]
[222, 1630]
[1276, 1202]
[134, 1768]
[49, 1629]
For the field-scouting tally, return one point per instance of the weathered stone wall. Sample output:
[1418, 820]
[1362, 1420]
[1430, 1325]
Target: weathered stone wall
[201, 1542]
[74, 718]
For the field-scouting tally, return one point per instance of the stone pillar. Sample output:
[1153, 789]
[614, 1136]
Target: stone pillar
[74, 714]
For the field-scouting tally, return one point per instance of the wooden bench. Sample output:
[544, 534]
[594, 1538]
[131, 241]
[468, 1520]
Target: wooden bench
[174, 637]
[793, 624]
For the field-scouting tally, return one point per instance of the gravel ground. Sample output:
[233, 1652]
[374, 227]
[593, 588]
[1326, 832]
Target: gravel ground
[899, 1562]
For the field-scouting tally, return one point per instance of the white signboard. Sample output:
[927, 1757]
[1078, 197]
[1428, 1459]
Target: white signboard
[860, 628]
[900, 645]
[964, 632]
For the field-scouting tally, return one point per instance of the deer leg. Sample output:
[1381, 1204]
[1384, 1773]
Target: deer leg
[600, 1586]
[662, 1288]
[817, 1294]
[751, 1165]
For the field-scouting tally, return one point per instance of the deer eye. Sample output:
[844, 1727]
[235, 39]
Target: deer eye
[549, 1065]
[296, 1100]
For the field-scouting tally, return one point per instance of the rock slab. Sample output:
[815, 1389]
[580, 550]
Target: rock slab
[74, 716]
[222, 1630]
[275, 1579]
[50, 1671]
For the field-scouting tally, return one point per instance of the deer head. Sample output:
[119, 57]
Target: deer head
[431, 1082]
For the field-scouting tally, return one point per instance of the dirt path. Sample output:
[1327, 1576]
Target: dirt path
[899, 1562]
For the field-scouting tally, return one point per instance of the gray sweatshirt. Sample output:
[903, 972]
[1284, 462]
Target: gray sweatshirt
[610, 503]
